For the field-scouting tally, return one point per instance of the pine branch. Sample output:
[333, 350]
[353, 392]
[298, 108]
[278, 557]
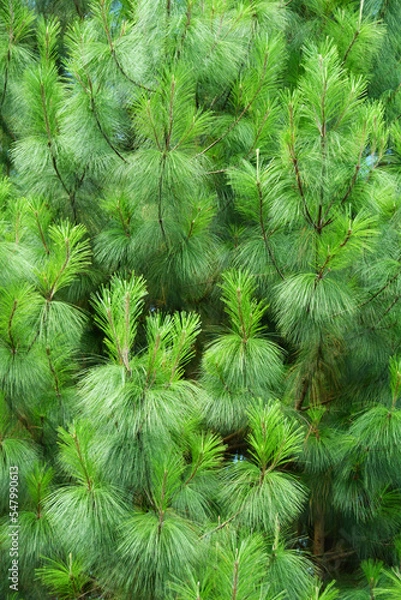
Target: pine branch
[169, 132]
[388, 309]
[82, 461]
[78, 183]
[42, 236]
[233, 435]
[50, 142]
[391, 97]
[6, 69]
[319, 225]
[184, 135]
[160, 200]
[113, 50]
[188, 16]
[302, 396]
[8, 56]
[352, 182]
[233, 23]
[329, 257]
[381, 290]
[99, 124]
[161, 511]
[7, 131]
[149, 113]
[243, 112]
[125, 350]
[234, 594]
[335, 554]
[383, 9]
[261, 220]
[295, 163]
[221, 379]
[259, 131]
[21, 418]
[122, 356]
[53, 289]
[321, 403]
[221, 526]
[351, 45]
[9, 327]
[49, 135]
[151, 371]
[53, 372]
[226, 92]
[191, 229]
[241, 317]
[78, 9]
[124, 224]
[362, 2]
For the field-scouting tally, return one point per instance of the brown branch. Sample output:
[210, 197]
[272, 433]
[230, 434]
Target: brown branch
[8, 58]
[127, 322]
[188, 15]
[185, 135]
[264, 234]
[78, 9]
[388, 309]
[294, 160]
[235, 577]
[52, 290]
[114, 54]
[116, 338]
[9, 327]
[82, 462]
[6, 68]
[78, 183]
[170, 115]
[50, 143]
[160, 202]
[304, 391]
[221, 525]
[243, 112]
[100, 126]
[42, 235]
[329, 257]
[355, 37]
[234, 434]
[151, 371]
[161, 511]
[323, 139]
[381, 290]
[357, 169]
[158, 144]
[122, 220]
[259, 131]
[53, 372]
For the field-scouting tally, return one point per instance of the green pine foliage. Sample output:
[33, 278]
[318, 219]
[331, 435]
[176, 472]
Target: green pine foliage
[200, 299]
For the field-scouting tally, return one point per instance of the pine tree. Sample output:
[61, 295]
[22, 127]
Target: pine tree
[199, 298]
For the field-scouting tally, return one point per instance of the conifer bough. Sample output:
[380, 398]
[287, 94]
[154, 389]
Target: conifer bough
[199, 298]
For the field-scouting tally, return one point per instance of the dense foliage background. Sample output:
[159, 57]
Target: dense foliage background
[200, 288]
